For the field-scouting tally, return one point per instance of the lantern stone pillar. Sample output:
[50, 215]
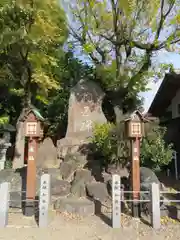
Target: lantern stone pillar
[5, 130]
[3, 150]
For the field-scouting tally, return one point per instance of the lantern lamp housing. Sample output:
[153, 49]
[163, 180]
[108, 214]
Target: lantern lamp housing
[134, 125]
[33, 123]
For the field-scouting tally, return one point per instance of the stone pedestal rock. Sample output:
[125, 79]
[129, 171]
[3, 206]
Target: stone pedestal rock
[80, 207]
[47, 155]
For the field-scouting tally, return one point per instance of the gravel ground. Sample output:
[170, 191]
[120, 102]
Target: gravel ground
[68, 227]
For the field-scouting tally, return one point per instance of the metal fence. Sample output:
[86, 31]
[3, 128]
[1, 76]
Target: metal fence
[154, 202]
[117, 198]
[42, 207]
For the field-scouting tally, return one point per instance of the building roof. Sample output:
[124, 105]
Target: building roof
[167, 90]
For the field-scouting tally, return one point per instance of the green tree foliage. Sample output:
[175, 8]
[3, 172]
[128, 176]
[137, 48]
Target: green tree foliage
[4, 120]
[110, 142]
[155, 153]
[32, 33]
[122, 37]
[10, 105]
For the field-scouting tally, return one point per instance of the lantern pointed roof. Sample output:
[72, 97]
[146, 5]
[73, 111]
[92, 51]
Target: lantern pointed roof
[136, 115]
[37, 114]
[28, 110]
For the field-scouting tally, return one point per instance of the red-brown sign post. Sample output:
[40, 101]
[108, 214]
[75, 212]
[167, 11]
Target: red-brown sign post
[31, 169]
[135, 131]
[33, 131]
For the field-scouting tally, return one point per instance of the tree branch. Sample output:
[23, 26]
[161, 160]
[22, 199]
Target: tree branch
[81, 40]
[142, 71]
[116, 32]
[161, 22]
[95, 18]
[114, 42]
[163, 17]
[172, 36]
[142, 46]
[170, 8]
[153, 46]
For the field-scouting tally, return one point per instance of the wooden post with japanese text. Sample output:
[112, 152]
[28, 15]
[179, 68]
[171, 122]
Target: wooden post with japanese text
[33, 132]
[134, 127]
[31, 169]
[135, 173]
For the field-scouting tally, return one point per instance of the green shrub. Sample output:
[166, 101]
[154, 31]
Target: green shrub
[110, 142]
[8, 164]
[155, 153]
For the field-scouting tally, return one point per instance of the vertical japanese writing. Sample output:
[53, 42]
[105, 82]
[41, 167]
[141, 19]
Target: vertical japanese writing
[44, 200]
[86, 123]
[116, 201]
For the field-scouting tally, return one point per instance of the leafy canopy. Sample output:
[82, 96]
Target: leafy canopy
[32, 33]
[122, 37]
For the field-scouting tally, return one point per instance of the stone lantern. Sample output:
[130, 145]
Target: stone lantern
[5, 131]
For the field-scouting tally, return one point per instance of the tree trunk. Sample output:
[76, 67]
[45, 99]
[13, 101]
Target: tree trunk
[119, 114]
[18, 161]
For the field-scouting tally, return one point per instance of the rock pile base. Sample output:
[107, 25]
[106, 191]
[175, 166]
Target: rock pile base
[80, 207]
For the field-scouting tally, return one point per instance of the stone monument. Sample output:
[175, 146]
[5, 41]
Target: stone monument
[85, 109]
